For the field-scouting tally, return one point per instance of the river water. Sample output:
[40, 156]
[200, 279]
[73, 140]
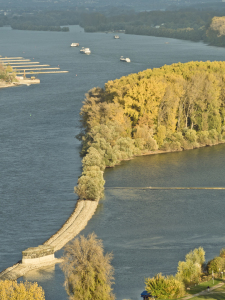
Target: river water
[147, 231]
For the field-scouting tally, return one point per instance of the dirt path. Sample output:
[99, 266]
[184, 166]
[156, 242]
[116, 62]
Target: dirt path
[205, 292]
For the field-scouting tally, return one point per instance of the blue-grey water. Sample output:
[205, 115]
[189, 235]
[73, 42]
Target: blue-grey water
[147, 231]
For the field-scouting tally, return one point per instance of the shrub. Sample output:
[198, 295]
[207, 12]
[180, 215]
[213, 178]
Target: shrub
[175, 146]
[151, 144]
[203, 138]
[164, 287]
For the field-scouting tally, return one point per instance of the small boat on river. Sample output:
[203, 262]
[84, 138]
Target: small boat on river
[116, 37]
[85, 50]
[124, 59]
[75, 45]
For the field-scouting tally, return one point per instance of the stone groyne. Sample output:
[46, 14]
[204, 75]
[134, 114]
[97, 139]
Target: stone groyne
[33, 258]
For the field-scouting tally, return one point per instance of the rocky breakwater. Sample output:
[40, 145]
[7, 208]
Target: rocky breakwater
[43, 255]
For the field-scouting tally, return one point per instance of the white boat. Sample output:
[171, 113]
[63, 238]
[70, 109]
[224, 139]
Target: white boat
[116, 37]
[124, 59]
[85, 50]
[74, 45]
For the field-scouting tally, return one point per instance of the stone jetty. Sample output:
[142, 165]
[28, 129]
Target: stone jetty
[43, 255]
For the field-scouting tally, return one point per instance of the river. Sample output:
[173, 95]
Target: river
[147, 231]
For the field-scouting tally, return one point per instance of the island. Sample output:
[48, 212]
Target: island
[172, 108]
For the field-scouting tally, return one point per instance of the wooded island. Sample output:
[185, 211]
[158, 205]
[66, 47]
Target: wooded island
[172, 108]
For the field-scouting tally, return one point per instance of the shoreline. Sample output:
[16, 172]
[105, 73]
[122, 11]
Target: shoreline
[167, 151]
[82, 213]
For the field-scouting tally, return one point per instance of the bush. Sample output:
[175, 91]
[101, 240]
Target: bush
[203, 138]
[164, 287]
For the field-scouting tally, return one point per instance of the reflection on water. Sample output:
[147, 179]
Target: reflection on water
[47, 273]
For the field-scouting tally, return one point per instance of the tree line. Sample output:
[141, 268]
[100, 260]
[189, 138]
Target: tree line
[190, 272]
[172, 108]
[192, 24]
[188, 24]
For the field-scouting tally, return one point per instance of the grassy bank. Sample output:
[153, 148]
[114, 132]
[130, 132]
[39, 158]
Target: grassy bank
[203, 286]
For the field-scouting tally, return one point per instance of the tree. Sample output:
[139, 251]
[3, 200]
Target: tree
[165, 287]
[90, 184]
[11, 290]
[196, 256]
[222, 253]
[189, 271]
[216, 265]
[88, 272]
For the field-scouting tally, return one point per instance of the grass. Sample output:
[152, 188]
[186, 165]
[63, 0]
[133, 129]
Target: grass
[212, 296]
[202, 286]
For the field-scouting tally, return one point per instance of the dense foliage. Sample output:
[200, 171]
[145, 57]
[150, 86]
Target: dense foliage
[189, 273]
[11, 290]
[165, 287]
[172, 108]
[88, 272]
[189, 24]
[42, 20]
[190, 270]
[193, 24]
[217, 264]
[27, 26]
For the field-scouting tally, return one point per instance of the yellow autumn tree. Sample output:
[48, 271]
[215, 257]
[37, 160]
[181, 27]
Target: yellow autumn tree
[12, 290]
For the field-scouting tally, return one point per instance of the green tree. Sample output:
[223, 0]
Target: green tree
[164, 287]
[189, 271]
[222, 253]
[90, 184]
[196, 256]
[216, 265]
[88, 272]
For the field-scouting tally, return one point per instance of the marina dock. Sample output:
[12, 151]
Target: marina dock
[22, 67]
